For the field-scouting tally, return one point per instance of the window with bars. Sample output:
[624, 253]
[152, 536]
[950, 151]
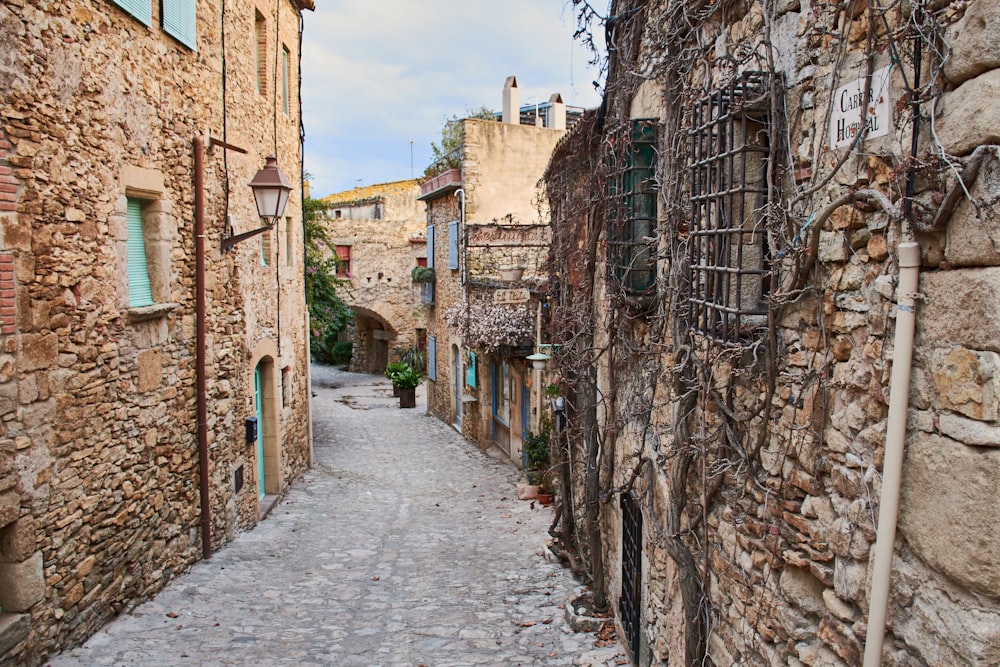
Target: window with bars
[728, 176]
[630, 601]
[632, 210]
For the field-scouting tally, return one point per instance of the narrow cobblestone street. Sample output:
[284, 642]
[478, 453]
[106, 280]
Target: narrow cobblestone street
[404, 545]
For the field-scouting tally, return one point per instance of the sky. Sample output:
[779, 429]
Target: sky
[378, 74]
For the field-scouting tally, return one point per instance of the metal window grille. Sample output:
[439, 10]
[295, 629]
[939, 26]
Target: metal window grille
[632, 211]
[730, 264]
[630, 601]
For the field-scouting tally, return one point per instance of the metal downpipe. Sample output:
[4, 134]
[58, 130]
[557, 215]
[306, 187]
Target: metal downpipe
[200, 375]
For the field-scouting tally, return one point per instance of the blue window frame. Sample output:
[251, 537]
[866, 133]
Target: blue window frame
[432, 358]
[179, 20]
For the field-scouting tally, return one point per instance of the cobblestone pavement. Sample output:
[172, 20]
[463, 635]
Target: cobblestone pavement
[404, 545]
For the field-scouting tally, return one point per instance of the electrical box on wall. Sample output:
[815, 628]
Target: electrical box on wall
[251, 429]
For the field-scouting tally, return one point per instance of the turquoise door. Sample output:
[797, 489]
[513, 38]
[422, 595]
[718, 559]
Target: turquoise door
[258, 395]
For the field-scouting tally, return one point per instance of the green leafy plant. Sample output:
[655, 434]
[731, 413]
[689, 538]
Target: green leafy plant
[329, 314]
[416, 358]
[536, 448]
[394, 369]
[408, 378]
[422, 274]
[342, 351]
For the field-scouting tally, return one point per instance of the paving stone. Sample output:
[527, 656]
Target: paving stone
[403, 545]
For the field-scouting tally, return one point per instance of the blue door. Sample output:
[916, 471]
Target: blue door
[258, 398]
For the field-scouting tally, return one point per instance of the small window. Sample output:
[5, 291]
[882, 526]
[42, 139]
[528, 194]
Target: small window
[140, 9]
[632, 213]
[260, 33]
[289, 242]
[343, 261]
[140, 292]
[337, 214]
[179, 20]
[730, 264]
[284, 79]
[421, 261]
[265, 248]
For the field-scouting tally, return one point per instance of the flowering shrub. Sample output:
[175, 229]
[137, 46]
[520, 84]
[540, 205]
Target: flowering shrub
[488, 326]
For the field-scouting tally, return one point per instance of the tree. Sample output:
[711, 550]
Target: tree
[448, 154]
[329, 314]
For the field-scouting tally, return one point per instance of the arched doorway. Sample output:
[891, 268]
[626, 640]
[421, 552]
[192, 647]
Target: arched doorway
[373, 339]
[267, 409]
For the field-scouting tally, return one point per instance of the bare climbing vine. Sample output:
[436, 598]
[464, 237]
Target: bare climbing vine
[655, 408]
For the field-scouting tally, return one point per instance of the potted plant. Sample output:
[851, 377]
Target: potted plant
[536, 451]
[545, 487]
[392, 371]
[422, 274]
[408, 380]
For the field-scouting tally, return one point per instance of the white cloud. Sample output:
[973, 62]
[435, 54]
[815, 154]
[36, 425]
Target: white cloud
[377, 75]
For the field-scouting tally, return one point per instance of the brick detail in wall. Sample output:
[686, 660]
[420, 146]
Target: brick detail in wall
[8, 300]
[8, 183]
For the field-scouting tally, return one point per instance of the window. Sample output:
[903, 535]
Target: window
[343, 261]
[140, 9]
[630, 600]
[432, 350]
[260, 32]
[265, 247]
[178, 18]
[284, 79]
[632, 213]
[730, 264]
[421, 261]
[140, 292]
[289, 242]
[453, 244]
[501, 392]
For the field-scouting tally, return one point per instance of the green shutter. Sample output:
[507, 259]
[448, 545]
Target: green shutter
[179, 21]
[140, 9]
[139, 293]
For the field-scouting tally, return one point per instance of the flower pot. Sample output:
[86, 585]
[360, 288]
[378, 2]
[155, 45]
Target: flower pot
[511, 274]
[408, 398]
[395, 390]
[545, 498]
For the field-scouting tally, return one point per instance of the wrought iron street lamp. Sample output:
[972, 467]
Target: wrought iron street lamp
[270, 191]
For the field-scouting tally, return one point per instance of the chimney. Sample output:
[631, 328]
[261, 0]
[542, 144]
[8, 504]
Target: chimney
[555, 117]
[511, 102]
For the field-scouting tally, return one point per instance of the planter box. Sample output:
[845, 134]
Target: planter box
[407, 398]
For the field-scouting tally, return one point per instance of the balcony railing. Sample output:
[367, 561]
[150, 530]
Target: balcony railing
[444, 183]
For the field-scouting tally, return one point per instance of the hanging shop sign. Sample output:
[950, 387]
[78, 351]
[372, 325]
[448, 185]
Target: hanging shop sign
[848, 119]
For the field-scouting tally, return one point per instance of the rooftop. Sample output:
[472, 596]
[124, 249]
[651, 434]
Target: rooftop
[370, 192]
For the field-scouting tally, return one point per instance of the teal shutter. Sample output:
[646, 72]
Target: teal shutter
[139, 293]
[432, 358]
[179, 21]
[140, 9]
[453, 244]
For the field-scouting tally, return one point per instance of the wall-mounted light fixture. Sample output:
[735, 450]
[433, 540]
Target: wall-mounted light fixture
[270, 191]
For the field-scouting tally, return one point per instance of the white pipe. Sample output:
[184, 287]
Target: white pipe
[895, 440]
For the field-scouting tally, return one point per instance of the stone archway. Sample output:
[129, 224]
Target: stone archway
[265, 384]
[373, 340]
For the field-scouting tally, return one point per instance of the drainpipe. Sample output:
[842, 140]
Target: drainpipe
[199, 279]
[895, 440]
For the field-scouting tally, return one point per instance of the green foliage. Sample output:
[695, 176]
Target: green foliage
[394, 368]
[422, 274]
[536, 449]
[329, 314]
[408, 378]
[416, 358]
[342, 351]
[448, 154]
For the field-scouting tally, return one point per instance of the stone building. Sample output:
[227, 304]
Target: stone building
[137, 338]
[778, 253]
[379, 235]
[487, 240]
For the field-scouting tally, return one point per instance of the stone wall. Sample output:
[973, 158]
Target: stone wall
[506, 225]
[384, 251]
[99, 491]
[783, 543]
